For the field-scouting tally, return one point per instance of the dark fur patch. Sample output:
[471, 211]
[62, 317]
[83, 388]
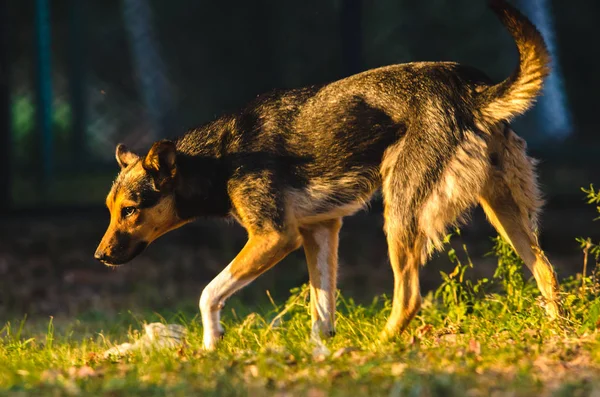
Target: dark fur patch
[495, 160]
[201, 189]
[125, 249]
[139, 189]
[123, 241]
[139, 247]
[148, 196]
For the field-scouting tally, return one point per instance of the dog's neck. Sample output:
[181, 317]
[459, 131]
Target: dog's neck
[202, 172]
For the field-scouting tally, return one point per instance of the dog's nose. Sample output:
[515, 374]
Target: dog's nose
[100, 255]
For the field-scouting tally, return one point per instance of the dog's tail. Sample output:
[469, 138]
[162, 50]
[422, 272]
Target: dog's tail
[517, 93]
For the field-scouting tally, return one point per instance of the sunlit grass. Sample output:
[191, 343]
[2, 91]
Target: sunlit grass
[450, 348]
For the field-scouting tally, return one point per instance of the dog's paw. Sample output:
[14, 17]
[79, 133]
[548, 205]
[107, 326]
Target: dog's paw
[209, 344]
[384, 336]
[322, 330]
[211, 339]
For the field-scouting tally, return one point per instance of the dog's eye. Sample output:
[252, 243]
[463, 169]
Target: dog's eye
[127, 211]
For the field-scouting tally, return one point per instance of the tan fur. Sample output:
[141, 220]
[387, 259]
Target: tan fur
[405, 263]
[465, 175]
[261, 252]
[304, 203]
[321, 248]
[511, 200]
[509, 195]
[516, 94]
[158, 219]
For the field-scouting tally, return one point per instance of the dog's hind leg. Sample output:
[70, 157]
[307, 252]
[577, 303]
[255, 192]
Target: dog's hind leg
[425, 188]
[514, 226]
[511, 202]
[405, 261]
[321, 248]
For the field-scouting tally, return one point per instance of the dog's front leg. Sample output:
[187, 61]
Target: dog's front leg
[321, 248]
[261, 252]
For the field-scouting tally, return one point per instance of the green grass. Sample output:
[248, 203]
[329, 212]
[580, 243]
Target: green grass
[471, 338]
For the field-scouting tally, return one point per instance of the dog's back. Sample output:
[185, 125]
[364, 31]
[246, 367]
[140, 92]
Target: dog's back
[327, 148]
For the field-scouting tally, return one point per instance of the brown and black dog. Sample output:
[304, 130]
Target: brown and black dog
[434, 136]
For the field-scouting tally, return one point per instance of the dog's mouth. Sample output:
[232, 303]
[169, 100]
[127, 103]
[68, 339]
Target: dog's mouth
[117, 261]
[109, 264]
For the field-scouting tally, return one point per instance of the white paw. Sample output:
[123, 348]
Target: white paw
[212, 336]
[322, 329]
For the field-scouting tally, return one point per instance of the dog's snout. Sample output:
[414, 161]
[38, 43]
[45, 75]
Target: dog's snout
[100, 255]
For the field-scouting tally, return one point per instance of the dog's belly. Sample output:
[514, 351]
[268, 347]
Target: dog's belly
[307, 218]
[325, 199]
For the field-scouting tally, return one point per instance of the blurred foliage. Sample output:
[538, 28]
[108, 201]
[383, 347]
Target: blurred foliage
[587, 244]
[220, 55]
[25, 136]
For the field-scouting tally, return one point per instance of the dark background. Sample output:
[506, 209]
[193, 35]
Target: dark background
[134, 71]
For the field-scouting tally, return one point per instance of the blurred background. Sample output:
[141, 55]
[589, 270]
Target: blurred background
[77, 77]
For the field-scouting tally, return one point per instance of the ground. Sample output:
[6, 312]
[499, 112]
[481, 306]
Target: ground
[470, 338]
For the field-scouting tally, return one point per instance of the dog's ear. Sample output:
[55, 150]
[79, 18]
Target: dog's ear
[161, 165]
[124, 156]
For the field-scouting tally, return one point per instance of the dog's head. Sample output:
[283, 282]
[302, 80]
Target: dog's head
[141, 203]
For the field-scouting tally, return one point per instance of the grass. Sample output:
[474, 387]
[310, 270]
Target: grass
[471, 338]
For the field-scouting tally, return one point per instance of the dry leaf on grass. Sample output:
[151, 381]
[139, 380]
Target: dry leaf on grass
[475, 347]
[451, 338]
[344, 350]
[314, 392]
[81, 372]
[291, 360]
[398, 368]
[49, 375]
[424, 330]
[253, 370]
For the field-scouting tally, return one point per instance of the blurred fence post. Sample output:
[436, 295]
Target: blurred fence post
[77, 68]
[351, 26]
[552, 108]
[44, 92]
[150, 69]
[5, 119]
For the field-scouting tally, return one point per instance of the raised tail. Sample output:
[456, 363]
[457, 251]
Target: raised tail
[517, 93]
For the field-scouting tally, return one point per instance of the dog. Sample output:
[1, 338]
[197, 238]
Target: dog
[433, 136]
